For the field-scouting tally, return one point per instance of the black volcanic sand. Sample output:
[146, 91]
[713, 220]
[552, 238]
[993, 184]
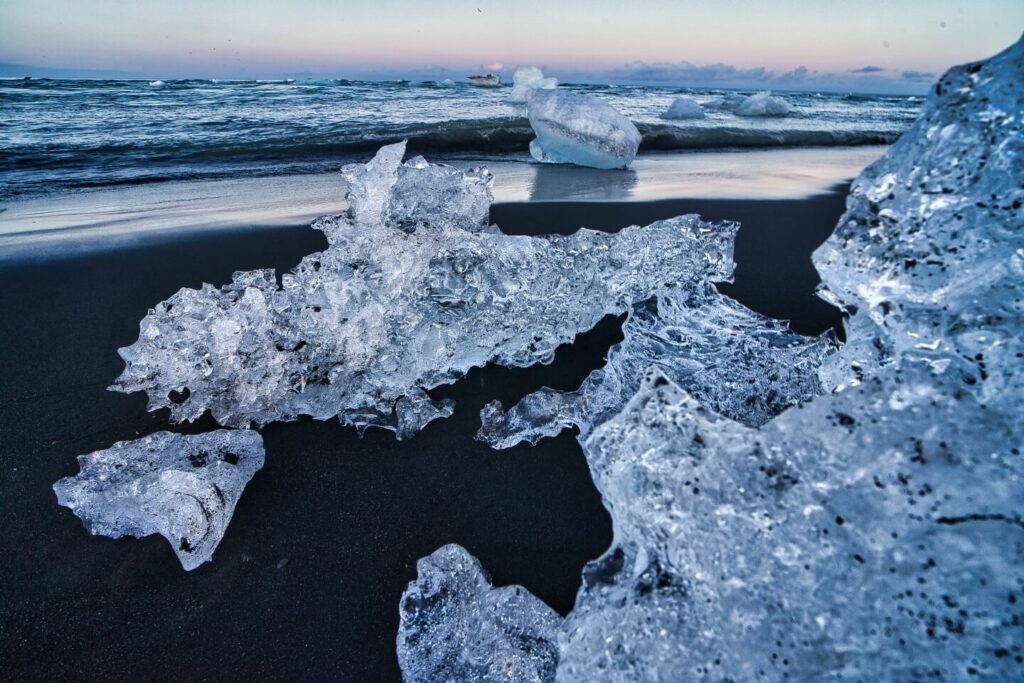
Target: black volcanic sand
[307, 580]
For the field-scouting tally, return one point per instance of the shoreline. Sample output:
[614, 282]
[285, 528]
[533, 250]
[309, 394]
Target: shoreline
[103, 220]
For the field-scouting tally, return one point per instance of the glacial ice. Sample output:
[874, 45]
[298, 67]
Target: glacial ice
[576, 128]
[526, 79]
[929, 256]
[414, 290]
[179, 486]
[733, 360]
[727, 102]
[873, 532]
[455, 626]
[762, 104]
[684, 108]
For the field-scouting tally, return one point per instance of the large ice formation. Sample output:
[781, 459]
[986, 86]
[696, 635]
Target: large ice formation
[576, 128]
[455, 626]
[182, 487]
[872, 532]
[762, 104]
[737, 362]
[526, 79]
[414, 290]
[684, 108]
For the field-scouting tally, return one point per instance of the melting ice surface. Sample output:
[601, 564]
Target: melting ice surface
[414, 290]
[872, 532]
[451, 608]
[182, 487]
[733, 360]
[762, 104]
[576, 128]
[684, 108]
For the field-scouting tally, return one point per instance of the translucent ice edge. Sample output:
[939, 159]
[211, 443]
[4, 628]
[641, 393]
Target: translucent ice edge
[182, 487]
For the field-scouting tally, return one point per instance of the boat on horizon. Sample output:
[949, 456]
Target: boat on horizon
[485, 80]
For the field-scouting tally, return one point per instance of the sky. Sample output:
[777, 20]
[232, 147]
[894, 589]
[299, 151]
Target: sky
[871, 45]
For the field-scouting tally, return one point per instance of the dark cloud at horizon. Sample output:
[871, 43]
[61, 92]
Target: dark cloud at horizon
[724, 75]
[918, 75]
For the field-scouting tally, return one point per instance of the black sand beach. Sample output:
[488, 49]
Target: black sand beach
[307, 579]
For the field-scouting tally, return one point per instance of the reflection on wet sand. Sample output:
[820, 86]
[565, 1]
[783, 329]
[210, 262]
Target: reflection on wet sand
[588, 184]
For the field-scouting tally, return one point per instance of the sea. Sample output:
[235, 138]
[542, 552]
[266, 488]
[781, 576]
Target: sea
[59, 135]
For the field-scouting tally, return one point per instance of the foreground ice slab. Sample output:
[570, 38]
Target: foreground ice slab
[875, 532]
[737, 362]
[455, 626]
[684, 108]
[576, 128]
[182, 487]
[929, 257]
[527, 79]
[414, 290]
[762, 104]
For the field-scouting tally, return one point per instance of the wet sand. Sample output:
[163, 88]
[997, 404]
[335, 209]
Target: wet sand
[307, 579]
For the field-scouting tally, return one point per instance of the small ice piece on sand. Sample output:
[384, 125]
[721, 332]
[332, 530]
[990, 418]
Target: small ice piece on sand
[575, 128]
[684, 108]
[527, 79]
[183, 487]
[763, 104]
[455, 626]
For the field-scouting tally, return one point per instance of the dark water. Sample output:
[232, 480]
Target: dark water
[62, 134]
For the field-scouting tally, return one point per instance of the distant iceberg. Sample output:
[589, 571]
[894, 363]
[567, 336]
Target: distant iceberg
[527, 79]
[580, 129]
[763, 104]
[684, 108]
[156, 84]
[727, 102]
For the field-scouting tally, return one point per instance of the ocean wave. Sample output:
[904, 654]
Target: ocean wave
[492, 135]
[666, 137]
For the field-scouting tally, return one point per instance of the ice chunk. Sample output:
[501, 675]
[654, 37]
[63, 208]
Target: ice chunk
[873, 533]
[737, 362]
[455, 626]
[576, 128]
[156, 84]
[727, 102]
[684, 108]
[182, 487]
[929, 256]
[763, 104]
[413, 291]
[527, 79]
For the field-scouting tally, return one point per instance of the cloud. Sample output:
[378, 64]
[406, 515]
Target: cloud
[918, 75]
[798, 74]
[691, 73]
[867, 70]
